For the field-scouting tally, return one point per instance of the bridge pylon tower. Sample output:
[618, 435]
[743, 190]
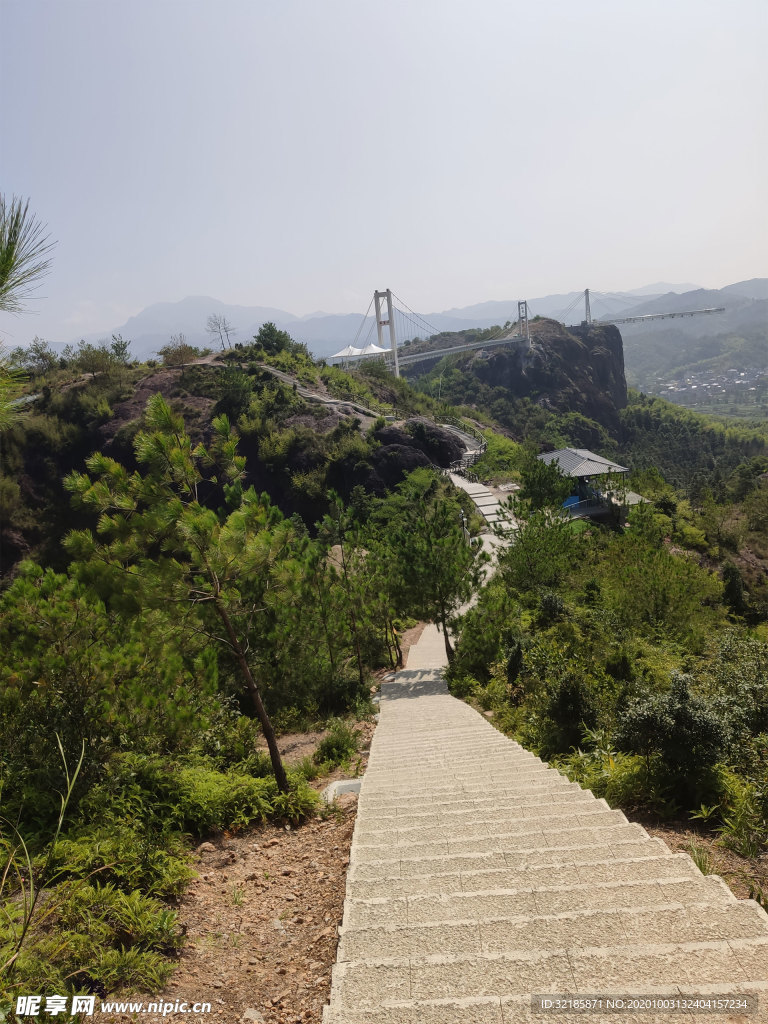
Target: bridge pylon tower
[522, 319]
[389, 322]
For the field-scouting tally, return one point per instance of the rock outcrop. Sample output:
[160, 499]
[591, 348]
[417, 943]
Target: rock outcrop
[440, 446]
[565, 369]
[568, 369]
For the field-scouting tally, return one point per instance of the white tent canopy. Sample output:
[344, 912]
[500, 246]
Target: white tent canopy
[350, 350]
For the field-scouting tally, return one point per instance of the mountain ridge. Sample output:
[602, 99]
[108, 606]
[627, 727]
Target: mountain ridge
[325, 333]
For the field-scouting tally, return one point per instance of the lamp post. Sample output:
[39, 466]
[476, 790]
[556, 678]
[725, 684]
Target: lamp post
[464, 529]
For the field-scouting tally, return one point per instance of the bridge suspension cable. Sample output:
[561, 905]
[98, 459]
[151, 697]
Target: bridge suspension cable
[563, 313]
[418, 316]
[362, 322]
[397, 313]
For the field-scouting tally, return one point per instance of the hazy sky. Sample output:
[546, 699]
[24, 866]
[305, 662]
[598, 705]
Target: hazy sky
[300, 153]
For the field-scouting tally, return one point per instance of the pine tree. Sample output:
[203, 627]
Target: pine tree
[431, 569]
[165, 546]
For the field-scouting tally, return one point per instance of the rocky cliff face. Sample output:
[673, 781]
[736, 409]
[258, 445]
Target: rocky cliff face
[577, 369]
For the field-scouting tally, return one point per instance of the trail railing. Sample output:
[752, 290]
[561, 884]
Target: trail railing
[582, 508]
[471, 455]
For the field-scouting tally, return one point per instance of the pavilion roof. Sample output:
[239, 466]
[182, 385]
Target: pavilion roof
[579, 462]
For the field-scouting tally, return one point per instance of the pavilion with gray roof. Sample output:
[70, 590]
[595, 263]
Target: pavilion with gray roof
[580, 463]
[588, 498]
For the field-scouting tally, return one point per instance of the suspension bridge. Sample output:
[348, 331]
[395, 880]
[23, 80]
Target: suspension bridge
[392, 313]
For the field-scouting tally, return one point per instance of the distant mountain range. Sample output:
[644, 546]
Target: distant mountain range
[325, 333]
[662, 350]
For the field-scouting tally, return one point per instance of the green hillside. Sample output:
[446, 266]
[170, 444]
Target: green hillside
[202, 555]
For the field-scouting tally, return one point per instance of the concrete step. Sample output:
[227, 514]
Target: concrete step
[616, 927]
[491, 757]
[528, 786]
[399, 735]
[489, 762]
[481, 904]
[633, 863]
[520, 835]
[483, 777]
[463, 804]
[489, 839]
[553, 817]
[480, 875]
[494, 841]
[542, 796]
[456, 742]
[516, 763]
[576, 846]
[497, 768]
[413, 803]
[360, 984]
[518, 1010]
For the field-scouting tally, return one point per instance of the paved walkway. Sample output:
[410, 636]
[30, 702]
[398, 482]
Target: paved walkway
[486, 502]
[479, 876]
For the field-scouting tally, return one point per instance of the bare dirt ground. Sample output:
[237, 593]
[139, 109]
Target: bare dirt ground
[262, 920]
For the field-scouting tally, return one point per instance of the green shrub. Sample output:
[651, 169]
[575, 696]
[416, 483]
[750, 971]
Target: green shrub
[483, 630]
[338, 746]
[231, 737]
[745, 823]
[685, 730]
[569, 708]
[129, 856]
[258, 764]
[307, 769]
[690, 537]
[501, 460]
[623, 780]
[192, 798]
[463, 686]
[206, 799]
[496, 693]
[94, 931]
[297, 804]
[701, 857]
[551, 608]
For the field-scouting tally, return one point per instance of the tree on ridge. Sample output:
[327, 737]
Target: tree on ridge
[163, 546]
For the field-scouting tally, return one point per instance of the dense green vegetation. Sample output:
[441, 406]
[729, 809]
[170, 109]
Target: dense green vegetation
[182, 621]
[692, 451]
[627, 661]
[199, 558]
[297, 451]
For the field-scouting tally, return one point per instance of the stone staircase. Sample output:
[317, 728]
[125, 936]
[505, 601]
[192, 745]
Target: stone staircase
[486, 502]
[480, 876]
